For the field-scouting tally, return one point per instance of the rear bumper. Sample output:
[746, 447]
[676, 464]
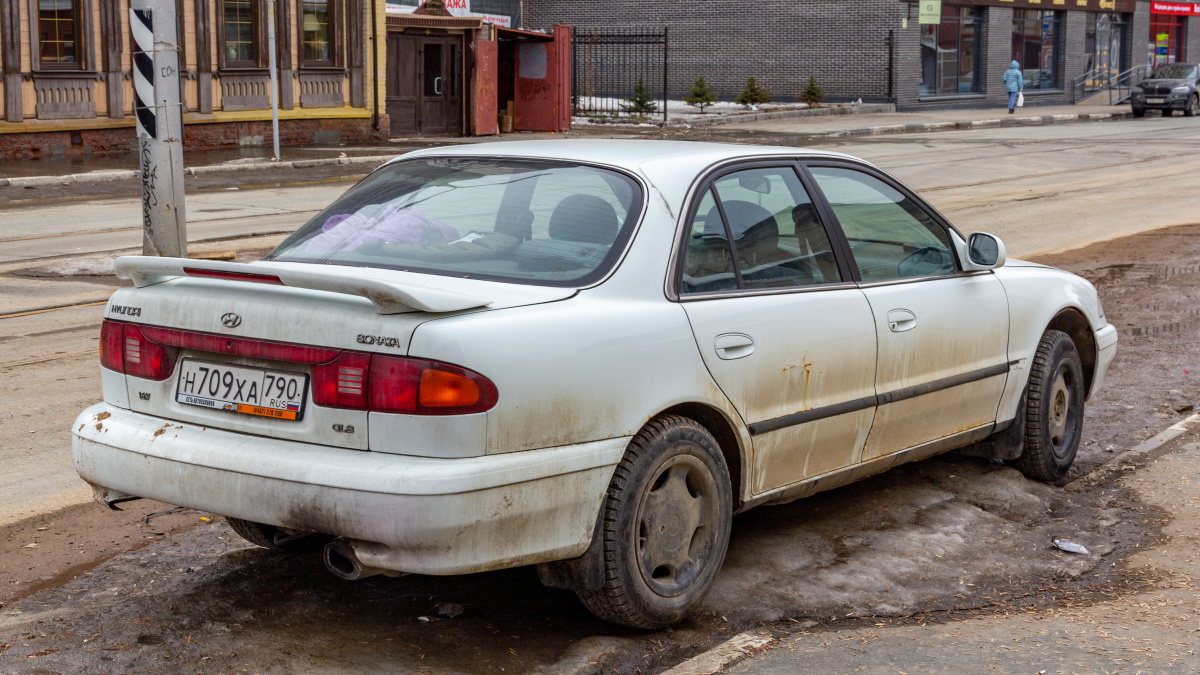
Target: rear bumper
[1106, 348]
[410, 514]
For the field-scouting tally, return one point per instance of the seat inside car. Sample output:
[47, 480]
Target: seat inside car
[584, 218]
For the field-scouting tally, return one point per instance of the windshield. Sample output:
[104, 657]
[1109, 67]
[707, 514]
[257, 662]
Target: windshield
[1174, 71]
[528, 221]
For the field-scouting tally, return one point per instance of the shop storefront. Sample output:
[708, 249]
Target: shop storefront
[1036, 46]
[1168, 30]
[1106, 46]
[950, 52]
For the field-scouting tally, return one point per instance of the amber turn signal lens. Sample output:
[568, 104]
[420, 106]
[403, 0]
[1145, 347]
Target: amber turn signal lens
[442, 389]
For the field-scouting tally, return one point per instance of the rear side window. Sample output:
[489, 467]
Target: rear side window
[778, 240]
[545, 223]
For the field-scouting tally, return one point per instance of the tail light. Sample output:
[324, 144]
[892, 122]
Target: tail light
[125, 349]
[342, 383]
[340, 379]
[112, 345]
[401, 385]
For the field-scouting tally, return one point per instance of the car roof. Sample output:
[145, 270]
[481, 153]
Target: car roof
[628, 154]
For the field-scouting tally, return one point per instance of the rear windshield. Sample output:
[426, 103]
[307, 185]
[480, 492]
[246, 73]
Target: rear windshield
[1175, 71]
[528, 221]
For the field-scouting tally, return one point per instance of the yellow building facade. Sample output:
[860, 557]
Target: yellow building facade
[67, 84]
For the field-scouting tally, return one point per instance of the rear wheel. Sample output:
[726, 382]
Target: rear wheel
[277, 539]
[1053, 410]
[666, 522]
[1139, 112]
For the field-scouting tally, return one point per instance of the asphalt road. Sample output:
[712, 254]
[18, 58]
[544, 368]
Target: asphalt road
[218, 606]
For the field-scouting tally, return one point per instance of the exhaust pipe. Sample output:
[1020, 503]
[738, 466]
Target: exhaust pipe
[343, 562]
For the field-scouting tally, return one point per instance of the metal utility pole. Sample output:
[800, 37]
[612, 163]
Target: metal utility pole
[159, 114]
[274, 78]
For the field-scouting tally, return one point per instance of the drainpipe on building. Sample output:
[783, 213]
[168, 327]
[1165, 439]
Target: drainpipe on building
[375, 64]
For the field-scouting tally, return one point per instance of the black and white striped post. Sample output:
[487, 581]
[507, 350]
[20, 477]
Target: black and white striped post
[159, 118]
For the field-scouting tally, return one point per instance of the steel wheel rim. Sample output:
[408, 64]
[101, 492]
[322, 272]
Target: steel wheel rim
[675, 532]
[1062, 414]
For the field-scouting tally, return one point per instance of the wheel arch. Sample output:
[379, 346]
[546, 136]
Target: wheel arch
[1075, 324]
[723, 430]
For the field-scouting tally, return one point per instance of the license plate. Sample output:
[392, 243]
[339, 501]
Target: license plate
[250, 391]
[1156, 101]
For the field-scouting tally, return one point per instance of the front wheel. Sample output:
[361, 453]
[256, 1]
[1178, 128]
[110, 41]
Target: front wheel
[1139, 112]
[666, 521]
[1193, 106]
[1053, 410]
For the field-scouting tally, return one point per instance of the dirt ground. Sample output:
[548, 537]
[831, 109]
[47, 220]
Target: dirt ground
[934, 541]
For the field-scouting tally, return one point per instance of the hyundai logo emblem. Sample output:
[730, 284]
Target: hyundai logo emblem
[231, 320]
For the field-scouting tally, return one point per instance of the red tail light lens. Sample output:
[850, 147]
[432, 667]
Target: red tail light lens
[144, 358]
[112, 345]
[340, 379]
[342, 383]
[394, 383]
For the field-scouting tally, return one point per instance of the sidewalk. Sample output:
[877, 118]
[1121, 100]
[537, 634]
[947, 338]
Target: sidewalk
[929, 120]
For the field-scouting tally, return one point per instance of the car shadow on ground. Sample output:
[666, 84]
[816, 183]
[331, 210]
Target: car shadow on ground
[952, 532]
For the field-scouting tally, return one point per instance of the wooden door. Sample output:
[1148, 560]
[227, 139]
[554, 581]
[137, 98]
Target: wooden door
[424, 84]
[441, 86]
[402, 83]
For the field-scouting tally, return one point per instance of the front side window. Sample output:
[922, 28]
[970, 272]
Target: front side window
[523, 221]
[317, 32]
[241, 36]
[757, 229]
[890, 236]
[950, 53]
[58, 32]
[1035, 47]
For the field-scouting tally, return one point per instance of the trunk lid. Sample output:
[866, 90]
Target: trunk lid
[334, 307]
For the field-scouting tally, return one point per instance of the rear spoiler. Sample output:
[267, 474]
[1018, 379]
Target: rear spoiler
[389, 297]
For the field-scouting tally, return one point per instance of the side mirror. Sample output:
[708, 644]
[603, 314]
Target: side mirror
[985, 251]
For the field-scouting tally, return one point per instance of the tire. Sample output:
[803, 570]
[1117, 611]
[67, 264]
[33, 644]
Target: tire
[1053, 410]
[665, 528]
[1139, 112]
[1193, 106]
[269, 536]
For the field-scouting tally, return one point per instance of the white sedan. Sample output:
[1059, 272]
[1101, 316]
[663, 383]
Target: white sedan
[585, 355]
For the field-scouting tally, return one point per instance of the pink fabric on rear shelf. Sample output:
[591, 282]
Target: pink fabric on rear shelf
[395, 225]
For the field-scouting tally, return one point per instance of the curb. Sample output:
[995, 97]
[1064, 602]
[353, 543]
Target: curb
[106, 176]
[1119, 463]
[924, 127]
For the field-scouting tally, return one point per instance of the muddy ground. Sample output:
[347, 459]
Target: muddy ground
[935, 540]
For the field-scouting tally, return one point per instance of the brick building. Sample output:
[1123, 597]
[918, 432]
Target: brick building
[845, 44]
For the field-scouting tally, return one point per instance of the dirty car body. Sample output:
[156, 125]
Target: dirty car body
[451, 363]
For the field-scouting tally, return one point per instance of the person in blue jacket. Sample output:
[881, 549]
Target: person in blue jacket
[1014, 83]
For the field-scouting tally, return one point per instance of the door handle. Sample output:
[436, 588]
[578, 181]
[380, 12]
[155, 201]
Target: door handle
[731, 346]
[900, 320]
[437, 86]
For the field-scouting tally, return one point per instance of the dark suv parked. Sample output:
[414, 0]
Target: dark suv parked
[1170, 87]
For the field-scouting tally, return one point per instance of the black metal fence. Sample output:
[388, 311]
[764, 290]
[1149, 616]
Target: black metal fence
[619, 72]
